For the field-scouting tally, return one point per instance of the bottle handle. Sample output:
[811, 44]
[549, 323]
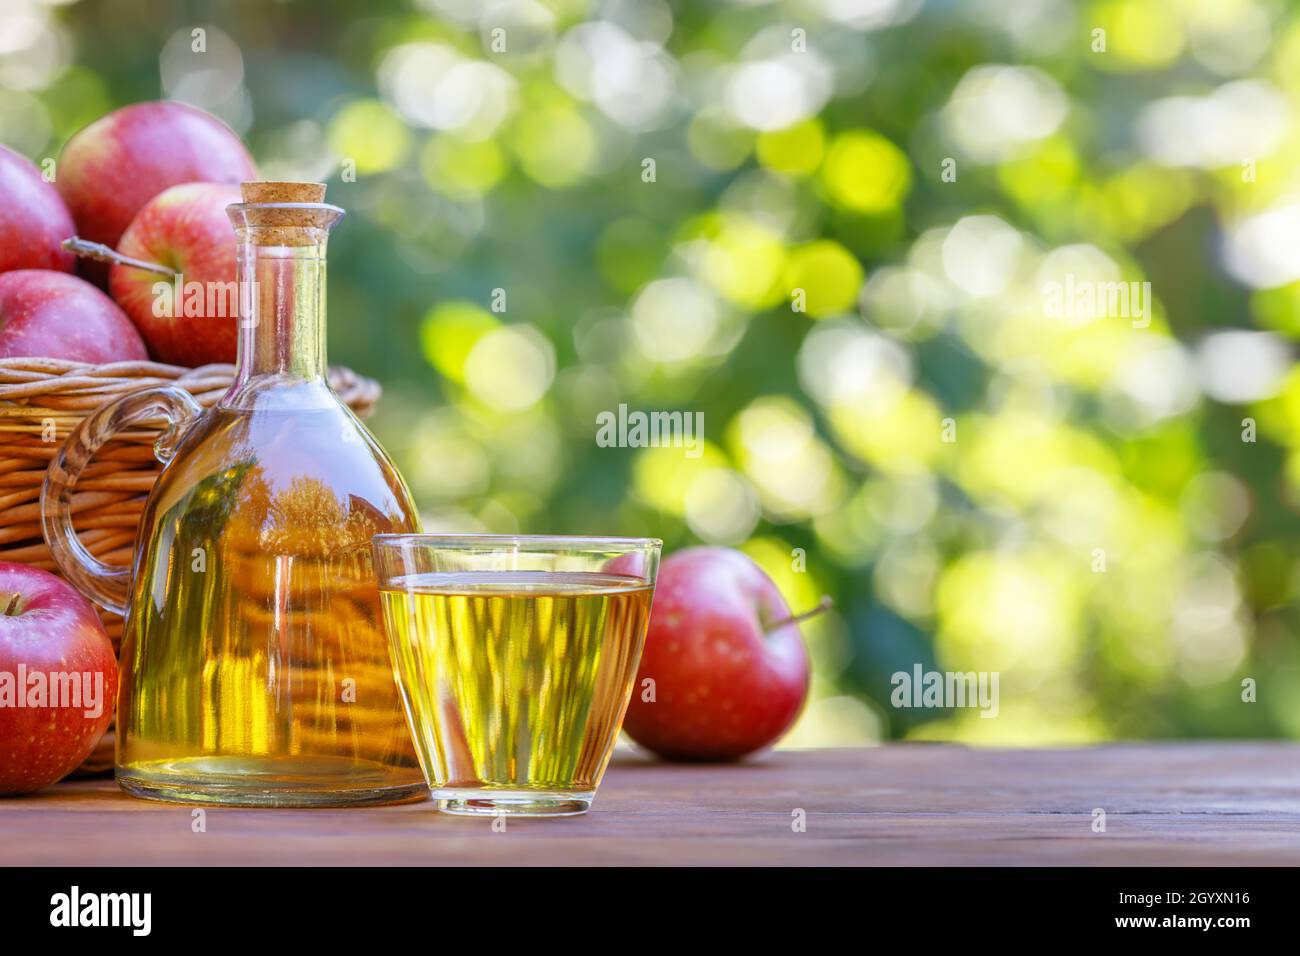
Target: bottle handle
[106, 585]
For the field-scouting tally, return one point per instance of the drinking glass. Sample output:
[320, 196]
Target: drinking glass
[515, 656]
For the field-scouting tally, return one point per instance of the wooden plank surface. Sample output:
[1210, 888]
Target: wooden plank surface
[1166, 804]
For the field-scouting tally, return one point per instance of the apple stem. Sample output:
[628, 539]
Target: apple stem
[11, 605]
[102, 253]
[822, 606]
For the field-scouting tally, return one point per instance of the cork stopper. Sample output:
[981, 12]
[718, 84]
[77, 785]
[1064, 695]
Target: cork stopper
[284, 214]
[282, 192]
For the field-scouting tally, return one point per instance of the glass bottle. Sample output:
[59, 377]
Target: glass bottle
[254, 666]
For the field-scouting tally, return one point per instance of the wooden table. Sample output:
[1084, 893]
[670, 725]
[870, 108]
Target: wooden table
[1165, 804]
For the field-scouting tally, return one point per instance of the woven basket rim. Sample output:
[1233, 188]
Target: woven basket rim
[24, 380]
[59, 366]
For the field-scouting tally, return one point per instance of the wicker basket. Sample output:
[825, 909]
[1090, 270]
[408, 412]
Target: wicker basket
[41, 401]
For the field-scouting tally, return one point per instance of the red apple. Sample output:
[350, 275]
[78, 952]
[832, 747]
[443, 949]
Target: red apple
[56, 315]
[186, 228]
[33, 219]
[729, 666]
[110, 169]
[58, 678]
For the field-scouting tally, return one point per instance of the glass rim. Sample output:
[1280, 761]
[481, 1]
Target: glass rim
[553, 542]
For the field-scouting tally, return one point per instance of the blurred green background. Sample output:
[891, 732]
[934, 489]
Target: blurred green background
[841, 255]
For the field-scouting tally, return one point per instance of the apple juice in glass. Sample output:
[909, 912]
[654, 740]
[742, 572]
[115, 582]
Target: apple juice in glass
[516, 657]
[254, 666]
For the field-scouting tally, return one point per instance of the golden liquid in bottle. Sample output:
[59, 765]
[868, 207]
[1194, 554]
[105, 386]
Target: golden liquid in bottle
[516, 680]
[255, 670]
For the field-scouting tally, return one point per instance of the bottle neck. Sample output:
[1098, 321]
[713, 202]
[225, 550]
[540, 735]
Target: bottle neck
[282, 312]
